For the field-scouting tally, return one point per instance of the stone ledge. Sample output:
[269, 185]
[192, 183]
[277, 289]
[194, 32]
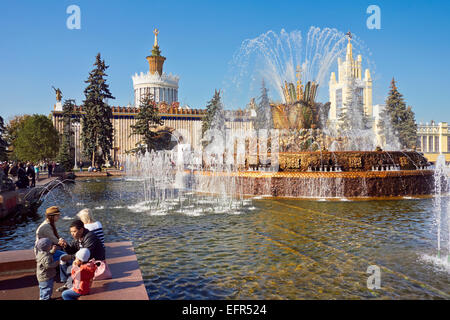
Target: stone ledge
[18, 279]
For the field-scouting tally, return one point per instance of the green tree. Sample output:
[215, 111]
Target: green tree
[12, 130]
[352, 116]
[3, 142]
[37, 140]
[65, 157]
[401, 117]
[263, 111]
[214, 118]
[147, 119]
[97, 129]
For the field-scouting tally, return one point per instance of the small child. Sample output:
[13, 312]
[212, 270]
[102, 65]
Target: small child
[46, 268]
[83, 272]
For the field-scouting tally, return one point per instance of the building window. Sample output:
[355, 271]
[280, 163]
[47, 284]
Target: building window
[436, 144]
[448, 144]
[338, 100]
[430, 143]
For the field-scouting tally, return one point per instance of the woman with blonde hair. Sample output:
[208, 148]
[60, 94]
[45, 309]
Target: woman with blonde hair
[96, 227]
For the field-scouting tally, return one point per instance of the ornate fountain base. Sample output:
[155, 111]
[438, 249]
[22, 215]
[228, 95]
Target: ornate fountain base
[323, 184]
[324, 174]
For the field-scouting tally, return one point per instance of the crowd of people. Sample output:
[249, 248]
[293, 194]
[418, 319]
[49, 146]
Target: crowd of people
[77, 260]
[24, 174]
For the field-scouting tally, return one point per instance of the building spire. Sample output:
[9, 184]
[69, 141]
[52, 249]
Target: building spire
[156, 61]
[349, 46]
[155, 32]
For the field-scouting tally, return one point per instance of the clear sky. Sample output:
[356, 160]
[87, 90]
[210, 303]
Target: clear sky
[199, 38]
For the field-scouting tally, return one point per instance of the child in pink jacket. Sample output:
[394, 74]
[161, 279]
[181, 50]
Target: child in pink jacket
[83, 272]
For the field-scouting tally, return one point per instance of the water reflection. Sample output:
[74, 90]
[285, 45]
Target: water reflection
[259, 248]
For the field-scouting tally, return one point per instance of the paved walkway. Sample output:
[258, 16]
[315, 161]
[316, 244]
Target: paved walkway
[18, 280]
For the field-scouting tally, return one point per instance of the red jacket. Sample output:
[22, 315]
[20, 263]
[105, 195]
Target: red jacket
[82, 277]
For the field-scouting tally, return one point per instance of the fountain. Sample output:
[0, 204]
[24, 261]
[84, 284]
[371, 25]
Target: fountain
[289, 155]
[441, 180]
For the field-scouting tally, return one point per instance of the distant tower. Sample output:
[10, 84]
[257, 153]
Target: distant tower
[162, 87]
[349, 70]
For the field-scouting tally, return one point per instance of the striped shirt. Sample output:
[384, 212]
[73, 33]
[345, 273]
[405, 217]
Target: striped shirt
[97, 229]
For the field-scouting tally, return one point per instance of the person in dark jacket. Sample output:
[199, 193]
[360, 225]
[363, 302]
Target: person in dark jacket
[83, 238]
[6, 169]
[50, 169]
[31, 174]
[22, 178]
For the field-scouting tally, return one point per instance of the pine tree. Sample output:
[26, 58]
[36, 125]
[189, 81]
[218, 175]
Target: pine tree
[65, 155]
[352, 116]
[214, 118]
[402, 118]
[3, 143]
[146, 119]
[97, 132]
[389, 138]
[263, 111]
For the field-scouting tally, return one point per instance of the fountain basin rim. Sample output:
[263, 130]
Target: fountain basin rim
[315, 174]
[327, 199]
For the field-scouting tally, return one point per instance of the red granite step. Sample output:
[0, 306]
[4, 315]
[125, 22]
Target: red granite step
[18, 280]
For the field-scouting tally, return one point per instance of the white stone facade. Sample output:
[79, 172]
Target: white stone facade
[349, 71]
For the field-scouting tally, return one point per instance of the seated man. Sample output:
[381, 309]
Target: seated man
[83, 238]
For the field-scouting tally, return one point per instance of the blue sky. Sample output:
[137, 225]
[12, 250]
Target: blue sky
[199, 38]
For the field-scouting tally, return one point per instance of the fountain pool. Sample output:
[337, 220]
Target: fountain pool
[192, 246]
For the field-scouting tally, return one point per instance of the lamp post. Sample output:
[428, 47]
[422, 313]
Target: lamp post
[76, 127]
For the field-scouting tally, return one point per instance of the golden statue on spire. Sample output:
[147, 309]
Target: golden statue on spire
[349, 34]
[156, 32]
[58, 94]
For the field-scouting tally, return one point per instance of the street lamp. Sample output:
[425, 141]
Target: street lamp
[76, 127]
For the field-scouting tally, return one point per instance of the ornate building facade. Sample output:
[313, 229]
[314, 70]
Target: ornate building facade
[349, 75]
[186, 122]
[433, 139]
[163, 87]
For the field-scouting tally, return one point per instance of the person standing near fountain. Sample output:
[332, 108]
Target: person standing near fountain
[32, 174]
[22, 178]
[45, 268]
[47, 229]
[50, 169]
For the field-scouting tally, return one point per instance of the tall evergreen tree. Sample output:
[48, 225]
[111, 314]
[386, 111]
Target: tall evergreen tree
[146, 119]
[65, 153]
[97, 132]
[352, 116]
[402, 118]
[385, 130]
[3, 142]
[263, 111]
[214, 119]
